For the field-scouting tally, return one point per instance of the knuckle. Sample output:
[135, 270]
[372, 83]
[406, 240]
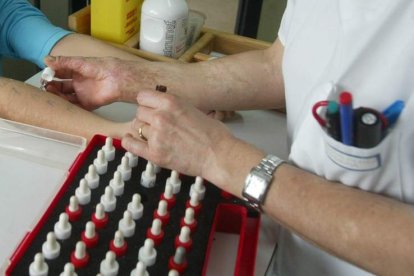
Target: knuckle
[61, 60]
[157, 156]
[160, 121]
[126, 143]
[170, 102]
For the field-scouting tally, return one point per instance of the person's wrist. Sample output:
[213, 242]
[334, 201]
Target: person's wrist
[126, 94]
[212, 168]
[258, 181]
[230, 162]
[129, 83]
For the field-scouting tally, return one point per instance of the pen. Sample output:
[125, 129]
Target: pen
[392, 112]
[368, 127]
[346, 117]
[333, 120]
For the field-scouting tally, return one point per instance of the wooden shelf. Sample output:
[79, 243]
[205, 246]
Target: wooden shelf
[210, 41]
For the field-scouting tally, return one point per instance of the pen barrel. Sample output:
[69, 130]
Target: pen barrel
[346, 118]
[392, 112]
[334, 128]
[368, 128]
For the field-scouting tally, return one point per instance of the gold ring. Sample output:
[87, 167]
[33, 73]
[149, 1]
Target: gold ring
[142, 135]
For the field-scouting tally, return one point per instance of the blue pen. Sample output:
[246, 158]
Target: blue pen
[346, 117]
[392, 112]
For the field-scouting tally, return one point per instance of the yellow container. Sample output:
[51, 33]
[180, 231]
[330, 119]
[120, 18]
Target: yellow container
[115, 20]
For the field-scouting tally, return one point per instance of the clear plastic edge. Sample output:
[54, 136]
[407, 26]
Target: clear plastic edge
[39, 145]
[33, 132]
[36, 219]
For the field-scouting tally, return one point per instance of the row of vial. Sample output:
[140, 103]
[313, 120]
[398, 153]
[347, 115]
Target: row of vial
[126, 226]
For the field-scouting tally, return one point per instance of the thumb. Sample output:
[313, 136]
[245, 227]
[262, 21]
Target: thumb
[82, 65]
[61, 62]
[48, 60]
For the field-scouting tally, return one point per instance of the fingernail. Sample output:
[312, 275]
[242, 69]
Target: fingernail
[50, 58]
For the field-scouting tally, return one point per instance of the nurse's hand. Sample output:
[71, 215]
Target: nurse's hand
[175, 135]
[101, 81]
[95, 81]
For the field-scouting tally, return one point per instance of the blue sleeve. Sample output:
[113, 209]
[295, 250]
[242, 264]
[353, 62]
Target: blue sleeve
[25, 32]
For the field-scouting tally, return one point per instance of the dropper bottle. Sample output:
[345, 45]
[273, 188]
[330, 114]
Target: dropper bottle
[164, 27]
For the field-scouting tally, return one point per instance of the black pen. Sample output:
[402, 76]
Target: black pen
[333, 120]
[368, 127]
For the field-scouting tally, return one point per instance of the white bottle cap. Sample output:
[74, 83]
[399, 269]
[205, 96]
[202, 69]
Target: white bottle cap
[119, 240]
[133, 159]
[175, 182]
[140, 270]
[136, 207]
[92, 177]
[109, 149]
[109, 266]
[108, 199]
[125, 169]
[68, 270]
[127, 225]
[117, 183]
[63, 228]
[83, 193]
[38, 267]
[48, 74]
[148, 176]
[80, 250]
[199, 187]
[100, 162]
[51, 247]
[147, 253]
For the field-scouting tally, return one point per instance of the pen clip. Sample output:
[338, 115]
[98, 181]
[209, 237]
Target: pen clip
[315, 114]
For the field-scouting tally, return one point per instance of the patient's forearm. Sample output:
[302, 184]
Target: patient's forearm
[87, 46]
[26, 104]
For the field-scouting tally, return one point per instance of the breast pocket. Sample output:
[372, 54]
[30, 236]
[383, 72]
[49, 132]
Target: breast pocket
[373, 169]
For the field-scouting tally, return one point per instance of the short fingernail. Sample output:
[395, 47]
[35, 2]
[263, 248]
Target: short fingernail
[50, 58]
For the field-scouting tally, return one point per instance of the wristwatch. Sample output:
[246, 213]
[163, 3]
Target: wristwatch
[258, 180]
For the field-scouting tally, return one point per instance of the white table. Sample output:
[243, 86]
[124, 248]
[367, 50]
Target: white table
[264, 129]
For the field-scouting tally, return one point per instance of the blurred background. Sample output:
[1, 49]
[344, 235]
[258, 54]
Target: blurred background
[253, 18]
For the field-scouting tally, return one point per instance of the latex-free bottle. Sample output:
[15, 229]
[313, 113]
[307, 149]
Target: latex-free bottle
[164, 27]
[115, 20]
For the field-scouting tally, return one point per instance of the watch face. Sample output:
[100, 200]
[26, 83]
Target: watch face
[256, 185]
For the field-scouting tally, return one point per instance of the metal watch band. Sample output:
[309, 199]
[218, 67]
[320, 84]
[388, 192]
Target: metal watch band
[270, 163]
[258, 181]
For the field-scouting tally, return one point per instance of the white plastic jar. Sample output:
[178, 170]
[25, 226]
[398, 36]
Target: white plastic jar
[164, 27]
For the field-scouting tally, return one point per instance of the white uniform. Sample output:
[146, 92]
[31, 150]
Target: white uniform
[365, 47]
